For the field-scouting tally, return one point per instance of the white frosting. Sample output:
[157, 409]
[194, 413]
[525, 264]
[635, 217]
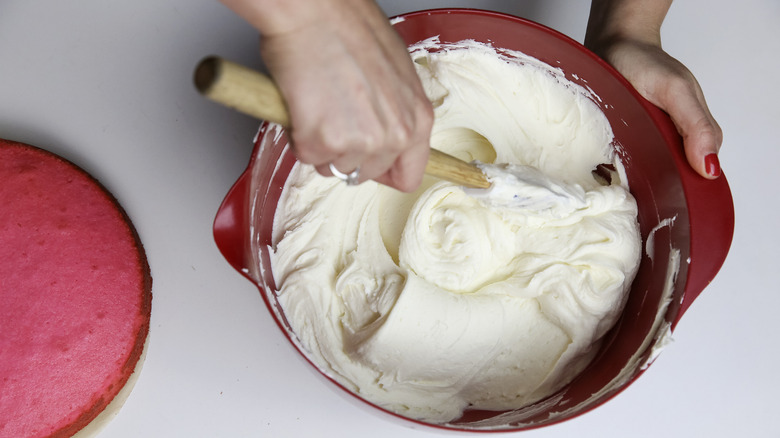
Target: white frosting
[431, 302]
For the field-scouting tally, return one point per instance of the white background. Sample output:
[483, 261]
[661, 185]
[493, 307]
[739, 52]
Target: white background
[108, 86]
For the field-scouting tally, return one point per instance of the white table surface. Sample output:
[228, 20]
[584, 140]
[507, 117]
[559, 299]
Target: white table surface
[108, 86]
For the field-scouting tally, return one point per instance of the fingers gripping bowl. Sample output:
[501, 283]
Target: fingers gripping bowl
[686, 222]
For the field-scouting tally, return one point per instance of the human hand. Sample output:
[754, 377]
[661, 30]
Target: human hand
[629, 39]
[351, 89]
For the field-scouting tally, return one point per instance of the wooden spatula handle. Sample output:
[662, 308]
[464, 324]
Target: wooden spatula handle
[449, 168]
[241, 88]
[256, 95]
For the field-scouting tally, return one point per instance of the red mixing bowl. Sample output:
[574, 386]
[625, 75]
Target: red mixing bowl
[686, 221]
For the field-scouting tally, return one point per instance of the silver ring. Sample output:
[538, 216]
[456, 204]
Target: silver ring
[350, 178]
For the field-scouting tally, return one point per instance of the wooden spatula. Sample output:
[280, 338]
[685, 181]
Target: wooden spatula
[256, 95]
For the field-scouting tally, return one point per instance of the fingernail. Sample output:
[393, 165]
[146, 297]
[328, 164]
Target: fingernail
[712, 165]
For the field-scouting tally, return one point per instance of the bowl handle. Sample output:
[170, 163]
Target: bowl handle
[710, 213]
[231, 230]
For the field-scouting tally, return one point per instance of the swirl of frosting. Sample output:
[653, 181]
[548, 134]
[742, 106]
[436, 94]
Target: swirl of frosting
[454, 242]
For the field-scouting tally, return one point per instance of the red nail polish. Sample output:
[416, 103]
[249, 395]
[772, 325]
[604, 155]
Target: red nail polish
[712, 165]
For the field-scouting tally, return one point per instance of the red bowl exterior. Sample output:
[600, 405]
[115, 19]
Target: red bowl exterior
[699, 212]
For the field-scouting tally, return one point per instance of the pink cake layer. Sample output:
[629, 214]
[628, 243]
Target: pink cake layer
[75, 295]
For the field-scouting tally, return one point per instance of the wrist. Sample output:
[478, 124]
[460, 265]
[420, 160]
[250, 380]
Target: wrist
[274, 16]
[277, 17]
[614, 21]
